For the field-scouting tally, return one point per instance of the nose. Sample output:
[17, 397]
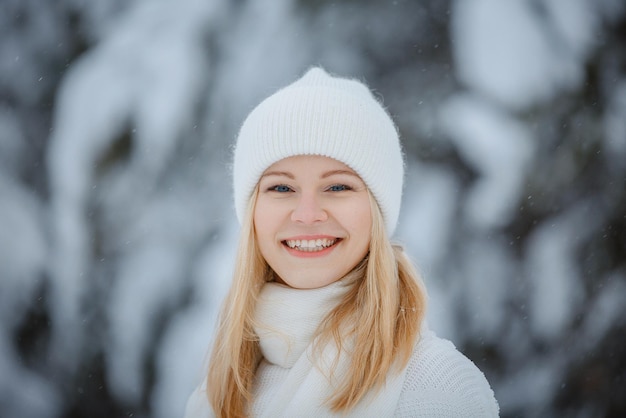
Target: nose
[308, 210]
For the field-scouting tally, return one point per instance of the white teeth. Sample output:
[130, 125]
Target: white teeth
[310, 245]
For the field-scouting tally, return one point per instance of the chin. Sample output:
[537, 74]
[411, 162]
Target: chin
[313, 283]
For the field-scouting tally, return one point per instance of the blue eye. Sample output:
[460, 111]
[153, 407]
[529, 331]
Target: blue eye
[339, 188]
[280, 188]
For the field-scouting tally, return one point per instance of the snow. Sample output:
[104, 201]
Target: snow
[486, 272]
[428, 211]
[606, 310]
[12, 147]
[25, 394]
[262, 51]
[615, 124]
[22, 249]
[195, 326]
[426, 218]
[519, 52]
[496, 145]
[143, 76]
[554, 278]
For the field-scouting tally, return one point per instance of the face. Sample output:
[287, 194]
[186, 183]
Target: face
[312, 220]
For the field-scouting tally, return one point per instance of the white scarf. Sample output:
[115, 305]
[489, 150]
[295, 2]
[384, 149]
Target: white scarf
[289, 318]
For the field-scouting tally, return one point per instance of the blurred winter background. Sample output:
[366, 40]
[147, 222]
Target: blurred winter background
[117, 231]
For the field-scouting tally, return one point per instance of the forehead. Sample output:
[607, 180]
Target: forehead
[309, 162]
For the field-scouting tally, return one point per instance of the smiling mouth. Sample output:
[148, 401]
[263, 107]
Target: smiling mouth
[312, 245]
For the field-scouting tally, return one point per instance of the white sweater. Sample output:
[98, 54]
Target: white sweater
[439, 381]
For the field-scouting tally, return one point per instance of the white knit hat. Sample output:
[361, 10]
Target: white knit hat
[323, 115]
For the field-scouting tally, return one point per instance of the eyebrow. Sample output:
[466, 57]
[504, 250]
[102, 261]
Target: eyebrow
[325, 175]
[334, 172]
[278, 173]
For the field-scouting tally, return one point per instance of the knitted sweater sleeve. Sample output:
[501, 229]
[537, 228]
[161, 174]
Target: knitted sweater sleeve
[442, 382]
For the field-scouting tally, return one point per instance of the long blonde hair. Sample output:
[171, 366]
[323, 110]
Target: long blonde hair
[381, 313]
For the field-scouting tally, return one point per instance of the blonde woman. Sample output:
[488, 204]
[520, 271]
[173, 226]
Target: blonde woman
[325, 317]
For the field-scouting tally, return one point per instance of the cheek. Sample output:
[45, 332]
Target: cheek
[267, 218]
[365, 228]
[262, 211]
[359, 222]
[260, 223]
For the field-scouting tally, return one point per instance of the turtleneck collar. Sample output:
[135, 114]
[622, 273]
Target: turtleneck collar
[287, 318]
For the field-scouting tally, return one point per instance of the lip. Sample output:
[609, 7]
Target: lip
[310, 254]
[309, 237]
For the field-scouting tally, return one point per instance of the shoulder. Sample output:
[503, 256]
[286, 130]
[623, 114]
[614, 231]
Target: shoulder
[441, 381]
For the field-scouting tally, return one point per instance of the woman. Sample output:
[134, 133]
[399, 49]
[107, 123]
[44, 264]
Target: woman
[325, 317]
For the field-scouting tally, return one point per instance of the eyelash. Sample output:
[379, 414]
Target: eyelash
[332, 188]
[276, 187]
[344, 187]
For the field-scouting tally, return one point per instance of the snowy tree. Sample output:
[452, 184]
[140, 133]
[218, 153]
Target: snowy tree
[117, 231]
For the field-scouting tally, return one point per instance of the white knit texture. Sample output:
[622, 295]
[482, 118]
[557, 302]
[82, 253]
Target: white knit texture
[439, 381]
[329, 116]
[442, 382]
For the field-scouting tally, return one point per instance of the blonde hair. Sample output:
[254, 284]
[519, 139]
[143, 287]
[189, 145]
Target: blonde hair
[381, 313]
